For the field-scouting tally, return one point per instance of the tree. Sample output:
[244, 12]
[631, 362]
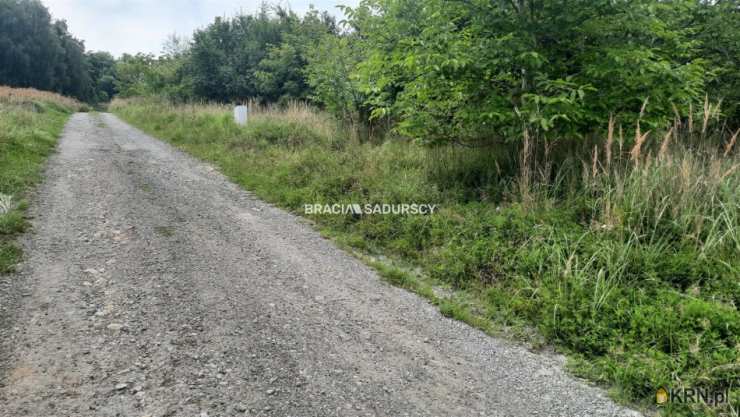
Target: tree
[330, 72]
[225, 55]
[102, 73]
[36, 52]
[260, 56]
[280, 75]
[135, 75]
[486, 70]
[71, 69]
[715, 27]
[29, 46]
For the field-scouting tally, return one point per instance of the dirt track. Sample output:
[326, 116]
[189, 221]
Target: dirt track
[154, 287]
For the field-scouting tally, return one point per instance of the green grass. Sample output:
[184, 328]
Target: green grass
[166, 231]
[29, 126]
[632, 272]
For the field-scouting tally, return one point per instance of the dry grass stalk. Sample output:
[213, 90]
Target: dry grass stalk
[676, 114]
[676, 121]
[638, 132]
[707, 114]
[12, 95]
[731, 143]
[595, 162]
[648, 162]
[715, 170]
[710, 112]
[525, 170]
[609, 141]
[729, 172]
[644, 106]
[547, 165]
[664, 145]
[636, 149]
[687, 173]
[691, 118]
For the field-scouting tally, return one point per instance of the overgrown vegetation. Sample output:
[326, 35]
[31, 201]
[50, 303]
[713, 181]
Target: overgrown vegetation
[436, 71]
[625, 255]
[30, 122]
[261, 56]
[583, 153]
[471, 72]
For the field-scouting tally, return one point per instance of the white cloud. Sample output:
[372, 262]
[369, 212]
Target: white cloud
[131, 26]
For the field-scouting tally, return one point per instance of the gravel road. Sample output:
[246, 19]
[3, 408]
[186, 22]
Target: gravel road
[155, 287]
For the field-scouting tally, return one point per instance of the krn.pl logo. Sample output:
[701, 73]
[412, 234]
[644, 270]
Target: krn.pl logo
[661, 396]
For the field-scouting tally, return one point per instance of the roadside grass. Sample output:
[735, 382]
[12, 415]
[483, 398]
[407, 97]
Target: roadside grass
[628, 262]
[30, 122]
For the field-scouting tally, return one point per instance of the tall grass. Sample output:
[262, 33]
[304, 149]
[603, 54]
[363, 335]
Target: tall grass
[684, 188]
[625, 256]
[11, 96]
[30, 121]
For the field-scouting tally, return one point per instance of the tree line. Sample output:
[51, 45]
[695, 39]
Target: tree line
[36, 51]
[468, 70]
[436, 70]
[260, 56]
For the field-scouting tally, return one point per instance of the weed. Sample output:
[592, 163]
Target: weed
[37, 100]
[624, 258]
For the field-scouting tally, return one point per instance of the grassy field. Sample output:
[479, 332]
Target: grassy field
[30, 122]
[626, 259]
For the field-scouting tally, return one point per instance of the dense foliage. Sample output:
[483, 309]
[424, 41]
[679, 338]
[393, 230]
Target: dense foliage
[480, 69]
[38, 52]
[261, 56]
[437, 71]
[472, 71]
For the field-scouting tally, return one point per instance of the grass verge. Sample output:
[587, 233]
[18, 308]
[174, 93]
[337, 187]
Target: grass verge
[30, 122]
[628, 264]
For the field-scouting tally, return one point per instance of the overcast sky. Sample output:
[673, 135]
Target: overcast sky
[119, 26]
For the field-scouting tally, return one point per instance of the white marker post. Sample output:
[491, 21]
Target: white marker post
[241, 113]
